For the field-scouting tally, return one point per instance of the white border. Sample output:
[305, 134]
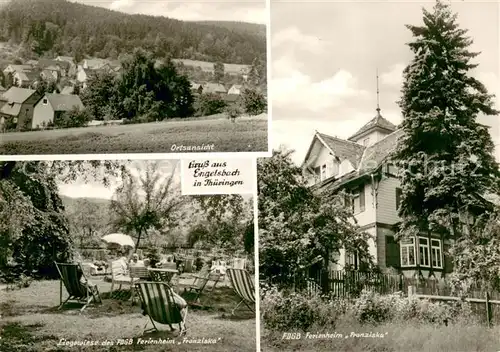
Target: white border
[269, 65]
[256, 256]
[139, 156]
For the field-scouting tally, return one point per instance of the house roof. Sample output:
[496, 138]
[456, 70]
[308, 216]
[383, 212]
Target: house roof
[378, 122]
[28, 75]
[67, 90]
[214, 88]
[13, 99]
[236, 86]
[17, 95]
[377, 153]
[64, 102]
[52, 64]
[341, 148]
[21, 68]
[96, 63]
[68, 59]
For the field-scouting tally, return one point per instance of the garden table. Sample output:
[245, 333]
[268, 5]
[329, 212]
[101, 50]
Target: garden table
[162, 274]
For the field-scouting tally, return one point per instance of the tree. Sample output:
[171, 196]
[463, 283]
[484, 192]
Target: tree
[88, 221]
[253, 101]
[257, 75]
[219, 72]
[99, 94]
[224, 219]
[151, 201]
[445, 156]
[9, 80]
[209, 104]
[297, 225]
[72, 118]
[34, 230]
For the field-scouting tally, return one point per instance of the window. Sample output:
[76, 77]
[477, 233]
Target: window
[437, 254]
[399, 192]
[423, 246]
[323, 175]
[45, 101]
[366, 141]
[407, 248]
[359, 200]
[352, 260]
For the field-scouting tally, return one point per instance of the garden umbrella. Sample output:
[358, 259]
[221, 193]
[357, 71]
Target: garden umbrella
[120, 239]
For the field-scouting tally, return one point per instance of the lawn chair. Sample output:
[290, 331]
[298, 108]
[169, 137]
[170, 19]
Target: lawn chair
[158, 302]
[138, 273]
[200, 284]
[78, 286]
[188, 265]
[243, 285]
[120, 277]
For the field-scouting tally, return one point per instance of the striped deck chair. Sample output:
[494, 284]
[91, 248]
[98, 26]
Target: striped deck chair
[159, 275]
[200, 283]
[158, 302]
[78, 286]
[137, 273]
[243, 285]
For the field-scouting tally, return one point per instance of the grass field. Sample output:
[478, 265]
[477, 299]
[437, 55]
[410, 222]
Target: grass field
[209, 66]
[246, 134]
[30, 322]
[391, 338]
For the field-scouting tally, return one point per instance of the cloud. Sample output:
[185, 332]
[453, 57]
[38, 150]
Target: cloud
[291, 88]
[121, 5]
[292, 36]
[393, 77]
[491, 82]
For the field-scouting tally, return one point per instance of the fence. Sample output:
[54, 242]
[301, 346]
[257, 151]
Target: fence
[349, 284]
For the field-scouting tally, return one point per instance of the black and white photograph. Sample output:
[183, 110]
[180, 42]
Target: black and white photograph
[110, 256]
[379, 212]
[88, 77]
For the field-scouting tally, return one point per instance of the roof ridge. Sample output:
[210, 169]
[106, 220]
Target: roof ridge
[340, 139]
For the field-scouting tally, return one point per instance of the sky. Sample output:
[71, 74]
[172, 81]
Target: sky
[325, 56]
[84, 187]
[253, 11]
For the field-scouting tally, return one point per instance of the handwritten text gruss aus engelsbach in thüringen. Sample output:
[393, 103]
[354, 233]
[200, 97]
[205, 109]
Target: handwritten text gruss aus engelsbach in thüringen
[209, 174]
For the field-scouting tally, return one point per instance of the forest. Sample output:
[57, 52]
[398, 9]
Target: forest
[47, 28]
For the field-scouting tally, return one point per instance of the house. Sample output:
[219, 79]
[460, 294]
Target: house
[26, 79]
[68, 59]
[84, 74]
[196, 88]
[214, 88]
[235, 89]
[50, 106]
[59, 68]
[16, 107]
[361, 166]
[94, 64]
[16, 68]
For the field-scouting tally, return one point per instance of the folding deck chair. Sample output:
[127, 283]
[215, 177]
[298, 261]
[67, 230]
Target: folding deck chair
[77, 285]
[158, 302]
[200, 283]
[243, 285]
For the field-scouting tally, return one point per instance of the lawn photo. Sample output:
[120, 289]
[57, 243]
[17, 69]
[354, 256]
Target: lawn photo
[113, 77]
[379, 213]
[107, 255]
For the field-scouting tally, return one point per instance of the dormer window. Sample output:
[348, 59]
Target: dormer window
[323, 175]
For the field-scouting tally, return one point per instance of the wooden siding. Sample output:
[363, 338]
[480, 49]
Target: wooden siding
[386, 197]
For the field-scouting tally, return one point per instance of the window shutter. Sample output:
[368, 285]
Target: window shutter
[392, 255]
[362, 198]
[448, 262]
[399, 192]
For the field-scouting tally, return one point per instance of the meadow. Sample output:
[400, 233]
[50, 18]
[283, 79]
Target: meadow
[246, 134]
[30, 322]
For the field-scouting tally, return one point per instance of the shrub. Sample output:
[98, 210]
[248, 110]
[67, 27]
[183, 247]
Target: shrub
[295, 311]
[209, 104]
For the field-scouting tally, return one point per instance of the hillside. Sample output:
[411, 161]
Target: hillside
[58, 27]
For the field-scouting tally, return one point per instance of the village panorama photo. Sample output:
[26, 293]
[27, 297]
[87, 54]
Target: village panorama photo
[114, 77]
[379, 212]
[111, 256]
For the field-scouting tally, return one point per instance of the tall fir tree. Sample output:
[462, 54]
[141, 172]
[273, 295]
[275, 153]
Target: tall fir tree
[445, 156]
